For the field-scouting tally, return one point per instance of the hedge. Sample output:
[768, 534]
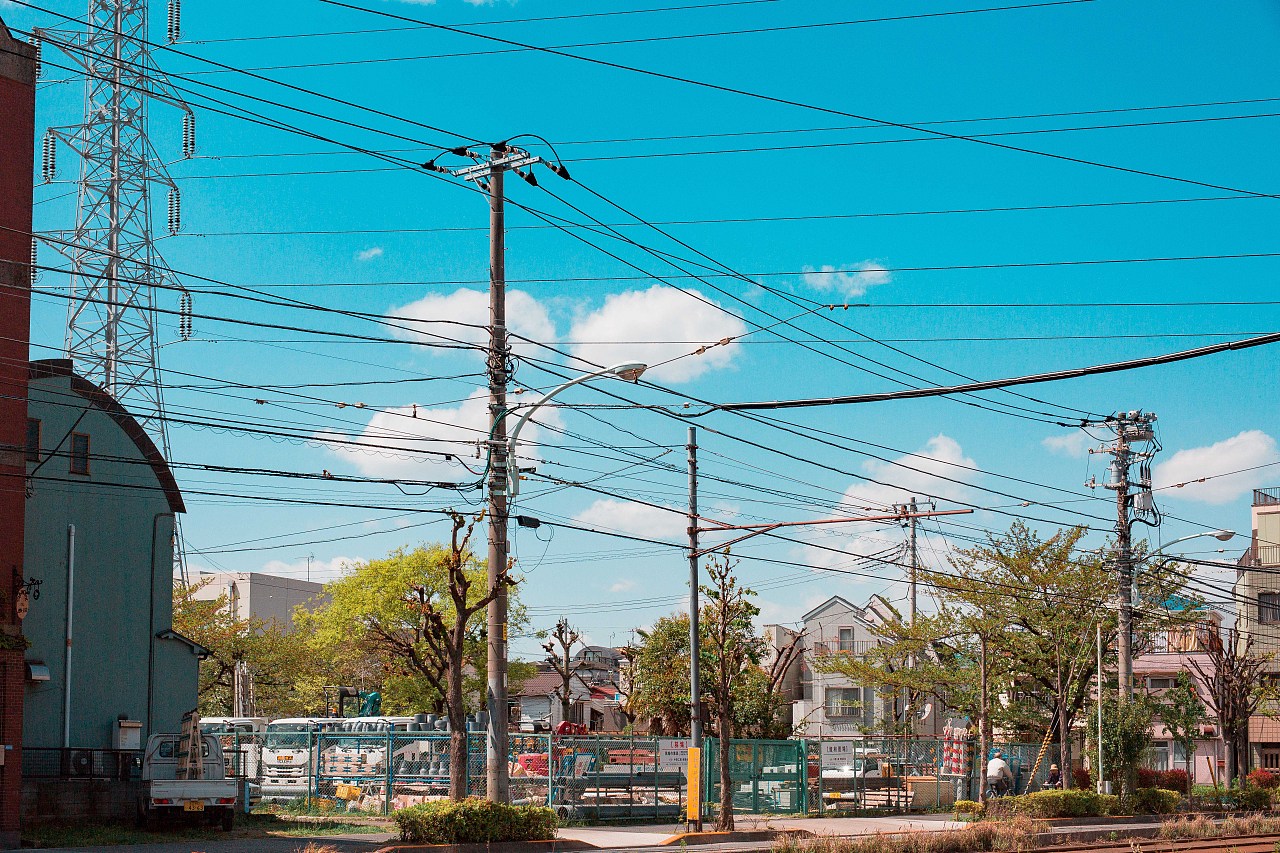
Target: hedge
[1069, 803]
[473, 821]
[1153, 801]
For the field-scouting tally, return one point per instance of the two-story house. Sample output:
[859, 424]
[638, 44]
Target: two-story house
[827, 703]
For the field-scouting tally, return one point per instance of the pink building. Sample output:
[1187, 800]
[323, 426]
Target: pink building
[1155, 671]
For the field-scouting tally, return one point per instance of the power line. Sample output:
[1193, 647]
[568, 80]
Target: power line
[802, 105]
[542, 19]
[655, 39]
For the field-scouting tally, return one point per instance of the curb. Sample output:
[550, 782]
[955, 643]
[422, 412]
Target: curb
[557, 846]
[689, 838]
[566, 845]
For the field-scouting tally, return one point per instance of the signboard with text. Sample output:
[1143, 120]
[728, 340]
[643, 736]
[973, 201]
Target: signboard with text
[673, 752]
[837, 753]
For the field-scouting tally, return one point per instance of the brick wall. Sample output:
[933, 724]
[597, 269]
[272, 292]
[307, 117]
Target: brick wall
[17, 165]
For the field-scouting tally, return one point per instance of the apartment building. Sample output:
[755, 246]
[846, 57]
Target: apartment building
[254, 595]
[1257, 597]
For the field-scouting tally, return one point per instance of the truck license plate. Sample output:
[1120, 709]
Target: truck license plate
[193, 805]
[286, 758]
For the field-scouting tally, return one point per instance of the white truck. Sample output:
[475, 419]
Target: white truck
[241, 739]
[289, 755]
[211, 799]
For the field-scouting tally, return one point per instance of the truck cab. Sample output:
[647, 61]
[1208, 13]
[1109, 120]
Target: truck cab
[211, 798]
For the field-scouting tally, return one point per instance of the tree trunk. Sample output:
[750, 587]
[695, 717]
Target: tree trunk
[457, 732]
[724, 726]
[984, 721]
[1064, 750]
[566, 704]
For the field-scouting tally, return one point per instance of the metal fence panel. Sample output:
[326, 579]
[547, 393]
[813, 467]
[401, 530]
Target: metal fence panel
[768, 776]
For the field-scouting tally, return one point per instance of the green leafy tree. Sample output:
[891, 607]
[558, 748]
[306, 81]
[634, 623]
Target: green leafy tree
[1126, 737]
[1183, 714]
[421, 612]
[268, 652]
[659, 676]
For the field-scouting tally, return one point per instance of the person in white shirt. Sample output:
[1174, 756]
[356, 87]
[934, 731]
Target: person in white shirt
[999, 776]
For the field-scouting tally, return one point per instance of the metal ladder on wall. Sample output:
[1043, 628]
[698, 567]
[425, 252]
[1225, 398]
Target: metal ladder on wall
[190, 750]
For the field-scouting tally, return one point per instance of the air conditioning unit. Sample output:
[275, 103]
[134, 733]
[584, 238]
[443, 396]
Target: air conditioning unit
[78, 762]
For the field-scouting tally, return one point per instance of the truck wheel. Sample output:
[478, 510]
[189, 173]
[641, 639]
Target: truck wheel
[228, 819]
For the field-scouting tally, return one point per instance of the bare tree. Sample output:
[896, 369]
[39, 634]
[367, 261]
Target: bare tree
[445, 635]
[560, 655]
[732, 647]
[1235, 689]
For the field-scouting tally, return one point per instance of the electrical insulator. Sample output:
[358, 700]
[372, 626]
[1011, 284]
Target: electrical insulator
[184, 316]
[175, 20]
[188, 135]
[35, 269]
[49, 156]
[175, 211]
[38, 45]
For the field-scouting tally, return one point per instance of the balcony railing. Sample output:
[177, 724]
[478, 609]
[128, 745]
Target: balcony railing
[1266, 497]
[845, 647]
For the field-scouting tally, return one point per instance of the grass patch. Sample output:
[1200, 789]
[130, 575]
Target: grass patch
[1201, 826]
[106, 834]
[1008, 836]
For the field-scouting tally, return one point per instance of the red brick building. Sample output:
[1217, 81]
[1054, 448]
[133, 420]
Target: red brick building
[17, 165]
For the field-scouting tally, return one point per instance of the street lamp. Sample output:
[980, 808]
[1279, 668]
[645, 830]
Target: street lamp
[630, 371]
[503, 474]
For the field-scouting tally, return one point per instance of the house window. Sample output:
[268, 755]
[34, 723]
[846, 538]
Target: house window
[33, 440]
[1159, 682]
[1269, 607]
[1159, 755]
[806, 682]
[79, 453]
[846, 639]
[844, 702]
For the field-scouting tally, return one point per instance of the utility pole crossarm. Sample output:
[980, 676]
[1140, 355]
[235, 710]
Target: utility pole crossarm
[757, 529]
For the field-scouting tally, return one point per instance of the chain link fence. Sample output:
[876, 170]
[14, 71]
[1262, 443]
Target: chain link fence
[601, 777]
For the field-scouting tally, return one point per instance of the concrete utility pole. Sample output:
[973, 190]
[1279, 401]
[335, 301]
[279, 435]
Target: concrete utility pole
[1130, 428]
[695, 688]
[488, 173]
[496, 743]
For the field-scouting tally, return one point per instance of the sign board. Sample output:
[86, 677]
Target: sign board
[694, 797]
[837, 753]
[673, 752]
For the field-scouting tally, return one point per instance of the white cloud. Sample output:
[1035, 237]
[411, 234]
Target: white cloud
[449, 429]
[618, 330]
[848, 280]
[369, 254]
[322, 571]
[525, 317]
[1180, 474]
[634, 519]
[915, 474]
[918, 474]
[624, 585]
[1074, 444]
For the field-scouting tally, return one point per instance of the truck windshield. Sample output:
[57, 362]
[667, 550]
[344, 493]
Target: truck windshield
[290, 735]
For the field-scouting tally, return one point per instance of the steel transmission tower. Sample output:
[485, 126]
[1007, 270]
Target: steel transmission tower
[115, 269]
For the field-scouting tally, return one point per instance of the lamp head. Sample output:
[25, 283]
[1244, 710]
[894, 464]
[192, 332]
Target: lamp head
[631, 371]
[1224, 535]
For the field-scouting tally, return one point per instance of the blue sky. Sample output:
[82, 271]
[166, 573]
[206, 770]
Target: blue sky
[818, 191]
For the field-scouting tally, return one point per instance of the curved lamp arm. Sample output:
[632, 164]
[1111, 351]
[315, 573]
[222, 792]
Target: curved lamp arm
[628, 370]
